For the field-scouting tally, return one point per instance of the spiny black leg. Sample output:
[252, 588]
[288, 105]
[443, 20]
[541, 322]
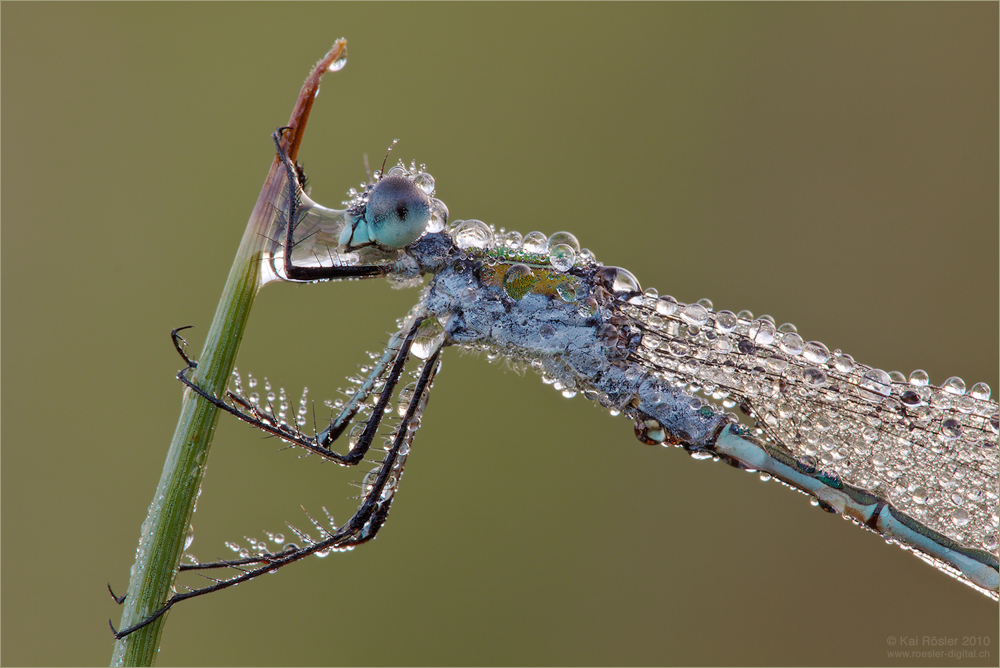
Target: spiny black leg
[378, 411]
[373, 501]
[149, 620]
[118, 599]
[371, 513]
[252, 415]
[375, 523]
[178, 340]
[294, 273]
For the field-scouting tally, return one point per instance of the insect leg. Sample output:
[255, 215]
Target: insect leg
[266, 422]
[380, 486]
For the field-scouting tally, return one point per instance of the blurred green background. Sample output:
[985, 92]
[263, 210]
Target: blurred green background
[834, 165]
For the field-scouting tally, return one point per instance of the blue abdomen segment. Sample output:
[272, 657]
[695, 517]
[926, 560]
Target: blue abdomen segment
[977, 568]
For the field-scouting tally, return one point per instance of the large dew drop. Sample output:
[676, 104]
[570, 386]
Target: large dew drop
[429, 338]
[792, 343]
[425, 182]
[625, 281]
[564, 238]
[518, 281]
[960, 517]
[666, 305]
[339, 62]
[535, 242]
[473, 234]
[561, 256]
[877, 381]
[695, 314]
[817, 353]
[439, 216]
[980, 391]
[954, 385]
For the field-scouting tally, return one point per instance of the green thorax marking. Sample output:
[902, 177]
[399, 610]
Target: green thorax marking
[517, 277]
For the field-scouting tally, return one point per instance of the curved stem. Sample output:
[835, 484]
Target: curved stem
[163, 533]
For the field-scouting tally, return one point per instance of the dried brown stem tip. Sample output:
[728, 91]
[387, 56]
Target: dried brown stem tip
[332, 61]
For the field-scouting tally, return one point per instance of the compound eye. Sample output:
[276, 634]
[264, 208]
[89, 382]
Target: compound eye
[397, 212]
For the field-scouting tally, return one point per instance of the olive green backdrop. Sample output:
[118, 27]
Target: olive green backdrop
[834, 165]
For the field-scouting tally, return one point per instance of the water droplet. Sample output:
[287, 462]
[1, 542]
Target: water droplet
[919, 378]
[950, 429]
[792, 344]
[725, 321]
[405, 397]
[960, 517]
[666, 305]
[650, 341]
[512, 239]
[354, 436]
[843, 363]
[425, 182]
[518, 281]
[561, 256]
[980, 391]
[919, 495]
[564, 238]
[816, 352]
[762, 332]
[625, 282]
[695, 314]
[954, 385]
[473, 234]
[877, 381]
[339, 62]
[439, 216]
[567, 291]
[368, 484]
[535, 242]
[428, 340]
[814, 377]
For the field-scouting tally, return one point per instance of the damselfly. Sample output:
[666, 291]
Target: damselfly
[914, 462]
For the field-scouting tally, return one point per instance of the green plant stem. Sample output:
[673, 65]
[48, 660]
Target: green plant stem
[161, 543]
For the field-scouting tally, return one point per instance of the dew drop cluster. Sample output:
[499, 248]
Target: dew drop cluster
[929, 450]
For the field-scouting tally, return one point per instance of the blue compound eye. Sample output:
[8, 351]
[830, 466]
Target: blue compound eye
[398, 212]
